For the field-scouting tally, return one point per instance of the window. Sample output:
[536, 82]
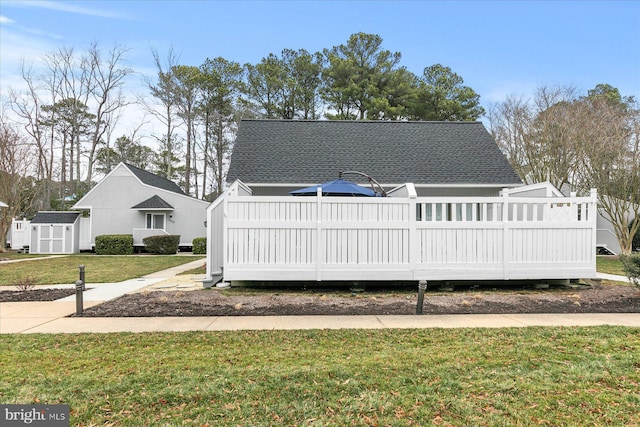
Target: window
[155, 221]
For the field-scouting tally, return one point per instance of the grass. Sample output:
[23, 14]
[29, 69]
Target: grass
[480, 377]
[199, 270]
[98, 269]
[123, 268]
[610, 265]
[11, 255]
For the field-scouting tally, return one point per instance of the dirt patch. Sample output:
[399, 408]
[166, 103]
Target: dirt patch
[215, 302]
[35, 295]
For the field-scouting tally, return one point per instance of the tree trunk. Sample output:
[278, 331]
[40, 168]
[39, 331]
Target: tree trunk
[220, 157]
[206, 154]
[187, 165]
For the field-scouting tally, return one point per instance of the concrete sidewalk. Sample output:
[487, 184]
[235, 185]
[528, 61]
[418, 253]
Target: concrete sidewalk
[18, 317]
[613, 277]
[17, 324]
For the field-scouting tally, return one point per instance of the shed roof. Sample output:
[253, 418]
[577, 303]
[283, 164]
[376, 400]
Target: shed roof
[45, 217]
[300, 151]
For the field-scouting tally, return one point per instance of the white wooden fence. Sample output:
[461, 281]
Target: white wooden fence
[400, 238]
[20, 234]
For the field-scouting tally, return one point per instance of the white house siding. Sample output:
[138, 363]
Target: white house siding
[110, 202]
[457, 191]
[423, 191]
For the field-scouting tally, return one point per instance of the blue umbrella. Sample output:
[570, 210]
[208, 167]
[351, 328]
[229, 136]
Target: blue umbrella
[339, 187]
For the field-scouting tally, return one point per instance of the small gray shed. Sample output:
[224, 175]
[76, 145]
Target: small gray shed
[55, 233]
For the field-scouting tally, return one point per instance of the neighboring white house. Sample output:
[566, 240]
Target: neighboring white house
[458, 211]
[130, 200]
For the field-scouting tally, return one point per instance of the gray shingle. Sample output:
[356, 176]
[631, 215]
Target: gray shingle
[154, 180]
[55, 218]
[154, 202]
[297, 152]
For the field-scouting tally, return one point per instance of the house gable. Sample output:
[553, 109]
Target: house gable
[282, 152]
[119, 203]
[124, 170]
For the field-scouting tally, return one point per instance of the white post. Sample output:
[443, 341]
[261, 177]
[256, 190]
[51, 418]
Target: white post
[413, 238]
[506, 230]
[320, 244]
[225, 233]
[593, 220]
[574, 207]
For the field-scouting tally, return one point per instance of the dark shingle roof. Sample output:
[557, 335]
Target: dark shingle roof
[291, 151]
[55, 218]
[154, 202]
[154, 180]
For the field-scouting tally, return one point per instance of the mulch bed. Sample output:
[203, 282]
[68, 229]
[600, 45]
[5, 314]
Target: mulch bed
[597, 299]
[35, 295]
[215, 302]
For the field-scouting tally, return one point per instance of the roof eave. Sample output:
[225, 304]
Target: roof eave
[440, 185]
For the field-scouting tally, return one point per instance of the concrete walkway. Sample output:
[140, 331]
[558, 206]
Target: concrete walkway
[51, 317]
[613, 277]
[182, 324]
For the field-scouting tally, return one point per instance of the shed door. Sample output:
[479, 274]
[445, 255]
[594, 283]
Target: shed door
[52, 239]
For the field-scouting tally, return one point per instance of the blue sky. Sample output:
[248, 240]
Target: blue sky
[498, 47]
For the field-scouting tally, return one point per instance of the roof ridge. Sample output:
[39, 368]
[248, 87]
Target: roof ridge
[460, 122]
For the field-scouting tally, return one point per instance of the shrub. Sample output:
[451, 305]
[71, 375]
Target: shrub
[631, 265]
[25, 283]
[114, 244]
[166, 244]
[635, 245]
[199, 245]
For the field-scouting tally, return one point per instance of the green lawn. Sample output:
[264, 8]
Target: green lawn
[199, 270]
[610, 265]
[116, 268]
[462, 377]
[98, 269]
[15, 255]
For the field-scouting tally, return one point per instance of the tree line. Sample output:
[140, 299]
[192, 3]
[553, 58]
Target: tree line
[61, 127]
[70, 109]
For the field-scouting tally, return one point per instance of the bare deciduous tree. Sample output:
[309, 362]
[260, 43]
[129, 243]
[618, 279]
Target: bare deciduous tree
[580, 143]
[163, 92]
[536, 135]
[27, 107]
[109, 74]
[17, 190]
[610, 161]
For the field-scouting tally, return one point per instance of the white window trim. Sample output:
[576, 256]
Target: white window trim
[153, 214]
